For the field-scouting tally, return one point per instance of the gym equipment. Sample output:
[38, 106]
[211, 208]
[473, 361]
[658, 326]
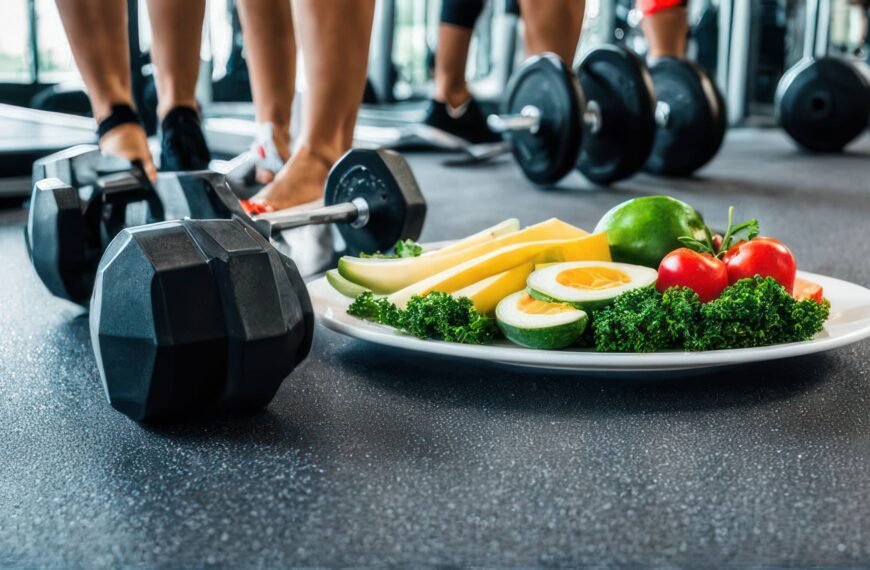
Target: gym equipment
[195, 318]
[204, 317]
[824, 104]
[372, 195]
[616, 80]
[28, 134]
[62, 98]
[690, 116]
[77, 206]
[553, 128]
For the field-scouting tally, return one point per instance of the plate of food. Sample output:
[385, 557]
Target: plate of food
[650, 289]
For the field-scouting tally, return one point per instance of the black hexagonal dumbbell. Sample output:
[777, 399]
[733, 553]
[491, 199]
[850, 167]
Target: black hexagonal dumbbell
[195, 318]
[370, 194]
[79, 202]
[202, 317]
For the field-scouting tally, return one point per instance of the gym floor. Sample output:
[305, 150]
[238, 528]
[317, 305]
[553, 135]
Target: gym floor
[369, 456]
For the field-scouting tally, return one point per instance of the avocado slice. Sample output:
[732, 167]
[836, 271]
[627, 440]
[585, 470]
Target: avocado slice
[345, 286]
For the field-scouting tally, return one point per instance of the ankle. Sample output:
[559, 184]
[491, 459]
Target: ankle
[164, 109]
[455, 97]
[322, 155]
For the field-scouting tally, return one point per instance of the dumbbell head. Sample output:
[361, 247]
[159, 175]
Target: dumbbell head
[382, 184]
[547, 152]
[63, 232]
[823, 104]
[196, 317]
[63, 250]
[690, 115]
[79, 166]
[617, 85]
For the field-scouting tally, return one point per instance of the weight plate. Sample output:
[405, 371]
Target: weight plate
[690, 118]
[823, 104]
[59, 241]
[545, 83]
[383, 179]
[617, 84]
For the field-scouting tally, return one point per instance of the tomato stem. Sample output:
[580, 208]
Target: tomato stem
[751, 227]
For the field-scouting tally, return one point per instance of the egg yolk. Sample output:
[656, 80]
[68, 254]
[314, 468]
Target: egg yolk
[593, 278]
[532, 306]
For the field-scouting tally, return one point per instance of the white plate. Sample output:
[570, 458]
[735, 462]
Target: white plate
[849, 323]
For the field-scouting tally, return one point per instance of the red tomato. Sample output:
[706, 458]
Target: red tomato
[700, 272]
[804, 289]
[762, 256]
[717, 243]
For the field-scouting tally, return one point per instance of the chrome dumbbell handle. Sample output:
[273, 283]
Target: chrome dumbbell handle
[355, 213]
[529, 119]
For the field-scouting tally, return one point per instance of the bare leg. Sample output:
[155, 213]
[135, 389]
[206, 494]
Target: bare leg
[176, 28]
[553, 26]
[451, 86]
[97, 32]
[335, 43]
[666, 32]
[267, 26]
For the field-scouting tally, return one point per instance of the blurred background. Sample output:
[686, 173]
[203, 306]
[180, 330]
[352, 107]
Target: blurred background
[745, 44]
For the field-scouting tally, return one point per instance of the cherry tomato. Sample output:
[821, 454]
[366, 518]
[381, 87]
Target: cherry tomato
[804, 289]
[717, 243]
[762, 256]
[700, 272]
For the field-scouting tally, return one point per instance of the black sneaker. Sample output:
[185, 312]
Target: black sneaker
[466, 122]
[182, 145]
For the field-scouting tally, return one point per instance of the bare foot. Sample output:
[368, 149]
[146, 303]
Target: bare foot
[299, 182]
[130, 142]
[273, 152]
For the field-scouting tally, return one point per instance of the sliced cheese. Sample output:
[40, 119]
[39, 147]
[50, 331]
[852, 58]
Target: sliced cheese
[486, 293]
[390, 275]
[591, 247]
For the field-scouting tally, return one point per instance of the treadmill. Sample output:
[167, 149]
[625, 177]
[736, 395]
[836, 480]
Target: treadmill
[28, 134]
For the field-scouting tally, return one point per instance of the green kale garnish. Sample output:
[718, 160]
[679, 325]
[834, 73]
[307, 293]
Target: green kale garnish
[406, 248]
[635, 322]
[758, 312]
[750, 313]
[436, 316]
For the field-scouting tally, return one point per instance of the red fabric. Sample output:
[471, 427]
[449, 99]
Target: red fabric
[652, 6]
[255, 208]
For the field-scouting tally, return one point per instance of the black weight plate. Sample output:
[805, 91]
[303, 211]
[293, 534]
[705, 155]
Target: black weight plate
[384, 180]
[196, 318]
[696, 119]
[59, 241]
[823, 104]
[547, 84]
[616, 81]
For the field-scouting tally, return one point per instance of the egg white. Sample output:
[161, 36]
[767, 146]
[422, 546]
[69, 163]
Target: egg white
[544, 281]
[508, 313]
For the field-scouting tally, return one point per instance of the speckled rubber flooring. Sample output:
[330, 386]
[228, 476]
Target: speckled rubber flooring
[373, 457]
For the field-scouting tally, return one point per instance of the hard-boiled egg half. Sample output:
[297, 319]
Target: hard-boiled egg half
[587, 284]
[539, 324]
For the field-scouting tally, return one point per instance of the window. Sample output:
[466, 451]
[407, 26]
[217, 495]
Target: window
[54, 54]
[15, 43]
